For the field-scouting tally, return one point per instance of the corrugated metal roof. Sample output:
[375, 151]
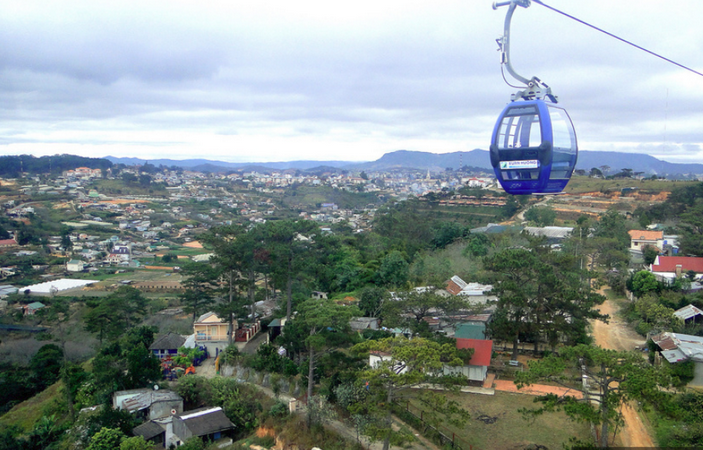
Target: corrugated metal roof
[483, 350]
[687, 312]
[690, 347]
[550, 232]
[146, 399]
[470, 331]
[674, 356]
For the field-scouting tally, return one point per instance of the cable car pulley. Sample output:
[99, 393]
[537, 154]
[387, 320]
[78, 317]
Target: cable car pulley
[533, 147]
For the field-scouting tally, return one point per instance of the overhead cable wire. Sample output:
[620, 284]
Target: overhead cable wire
[619, 38]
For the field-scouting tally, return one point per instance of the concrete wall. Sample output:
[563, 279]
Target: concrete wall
[180, 429]
[473, 373]
[163, 409]
[697, 375]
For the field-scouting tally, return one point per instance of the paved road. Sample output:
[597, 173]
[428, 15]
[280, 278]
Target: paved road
[251, 346]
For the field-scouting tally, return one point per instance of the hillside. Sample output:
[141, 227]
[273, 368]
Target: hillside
[407, 159]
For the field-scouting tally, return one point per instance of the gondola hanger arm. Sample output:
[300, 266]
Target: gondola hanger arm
[534, 87]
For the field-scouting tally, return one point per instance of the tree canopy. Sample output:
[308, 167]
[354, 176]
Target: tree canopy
[608, 379]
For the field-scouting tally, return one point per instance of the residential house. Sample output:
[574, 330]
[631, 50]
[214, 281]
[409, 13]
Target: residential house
[153, 432]
[75, 265]
[206, 423]
[639, 239]
[167, 345]
[477, 368]
[473, 327]
[360, 324]
[668, 268]
[119, 254]
[212, 333]
[677, 347]
[689, 314]
[7, 243]
[8, 271]
[474, 293]
[32, 308]
[377, 358]
[148, 403]
[554, 235]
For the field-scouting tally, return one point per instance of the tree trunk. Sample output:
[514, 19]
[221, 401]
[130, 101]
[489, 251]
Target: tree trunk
[230, 334]
[604, 431]
[289, 289]
[515, 350]
[389, 419]
[266, 286]
[66, 382]
[311, 380]
[250, 293]
[604, 412]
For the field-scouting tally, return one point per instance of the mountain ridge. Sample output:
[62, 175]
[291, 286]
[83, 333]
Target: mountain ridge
[411, 159]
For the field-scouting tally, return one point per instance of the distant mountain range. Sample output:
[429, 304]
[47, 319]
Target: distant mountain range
[406, 159]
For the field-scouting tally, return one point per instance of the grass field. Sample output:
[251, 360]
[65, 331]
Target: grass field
[309, 197]
[510, 430]
[579, 185]
[25, 414]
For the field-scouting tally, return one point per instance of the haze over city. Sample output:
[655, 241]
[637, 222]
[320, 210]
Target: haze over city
[280, 81]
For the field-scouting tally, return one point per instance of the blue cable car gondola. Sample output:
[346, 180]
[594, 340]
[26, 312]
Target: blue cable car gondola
[533, 148]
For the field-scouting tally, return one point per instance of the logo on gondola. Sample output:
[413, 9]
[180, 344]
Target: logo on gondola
[525, 164]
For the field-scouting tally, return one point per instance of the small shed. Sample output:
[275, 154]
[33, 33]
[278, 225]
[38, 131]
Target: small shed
[275, 328]
[152, 432]
[32, 308]
[206, 423]
[148, 403]
[689, 314]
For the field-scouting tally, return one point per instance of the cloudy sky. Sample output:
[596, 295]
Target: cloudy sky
[289, 80]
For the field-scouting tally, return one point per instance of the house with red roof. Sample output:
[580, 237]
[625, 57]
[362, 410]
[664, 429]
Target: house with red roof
[477, 368]
[6, 243]
[668, 268]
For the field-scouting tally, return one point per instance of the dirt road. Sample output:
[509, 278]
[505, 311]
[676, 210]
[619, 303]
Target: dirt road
[616, 335]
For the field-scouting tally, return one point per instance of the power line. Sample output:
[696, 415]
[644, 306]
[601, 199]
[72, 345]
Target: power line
[618, 38]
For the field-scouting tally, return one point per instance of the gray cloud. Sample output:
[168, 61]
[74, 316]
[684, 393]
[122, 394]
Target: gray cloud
[177, 77]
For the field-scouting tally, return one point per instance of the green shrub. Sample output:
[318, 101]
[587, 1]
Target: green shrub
[683, 371]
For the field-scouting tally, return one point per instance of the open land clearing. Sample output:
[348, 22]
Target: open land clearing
[497, 424]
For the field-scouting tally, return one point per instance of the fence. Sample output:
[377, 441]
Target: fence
[445, 437]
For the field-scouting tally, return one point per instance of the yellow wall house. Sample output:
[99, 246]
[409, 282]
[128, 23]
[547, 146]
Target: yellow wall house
[211, 332]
